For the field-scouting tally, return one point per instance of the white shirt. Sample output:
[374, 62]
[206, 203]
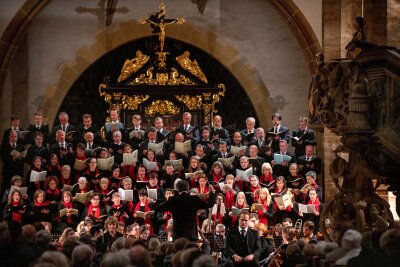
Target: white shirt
[245, 230]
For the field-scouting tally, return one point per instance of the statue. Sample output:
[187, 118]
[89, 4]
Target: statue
[133, 65]
[358, 36]
[159, 23]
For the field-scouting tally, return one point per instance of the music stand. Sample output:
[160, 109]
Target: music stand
[216, 242]
[163, 237]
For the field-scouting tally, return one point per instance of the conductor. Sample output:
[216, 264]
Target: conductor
[184, 208]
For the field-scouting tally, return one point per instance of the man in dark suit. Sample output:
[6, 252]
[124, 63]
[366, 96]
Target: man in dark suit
[38, 126]
[13, 163]
[114, 125]
[243, 245]
[302, 136]
[64, 125]
[283, 168]
[218, 132]
[87, 126]
[137, 133]
[15, 121]
[144, 146]
[162, 133]
[63, 149]
[277, 132]
[309, 162]
[223, 153]
[190, 131]
[248, 133]
[184, 207]
[37, 149]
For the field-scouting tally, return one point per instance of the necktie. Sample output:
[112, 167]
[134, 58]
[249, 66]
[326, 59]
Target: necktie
[63, 127]
[242, 234]
[186, 128]
[276, 129]
[13, 146]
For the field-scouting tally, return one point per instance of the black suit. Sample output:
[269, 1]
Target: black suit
[134, 141]
[69, 128]
[195, 132]
[222, 133]
[81, 131]
[6, 135]
[44, 129]
[34, 150]
[313, 164]
[280, 170]
[184, 211]
[284, 135]
[10, 167]
[306, 136]
[233, 247]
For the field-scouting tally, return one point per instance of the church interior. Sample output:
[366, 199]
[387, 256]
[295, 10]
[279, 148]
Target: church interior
[236, 59]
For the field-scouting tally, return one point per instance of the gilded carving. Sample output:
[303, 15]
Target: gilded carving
[191, 66]
[191, 102]
[133, 65]
[133, 102]
[162, 107]
[207, 113]
[217, 97]
[162, 78]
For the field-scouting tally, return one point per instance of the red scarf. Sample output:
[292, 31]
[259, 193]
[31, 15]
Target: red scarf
[16, 216]
[266, 179]
[216, 178]
[316, 203]
[68, 205]
[55, 192]
[44, 203]
[128, 170]
[229, 200]
[95, 213]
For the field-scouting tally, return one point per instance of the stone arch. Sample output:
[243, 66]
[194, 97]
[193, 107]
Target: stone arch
[130, 30]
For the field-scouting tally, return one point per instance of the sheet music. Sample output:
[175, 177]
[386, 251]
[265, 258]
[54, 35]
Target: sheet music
[130, 158]
[157, 148]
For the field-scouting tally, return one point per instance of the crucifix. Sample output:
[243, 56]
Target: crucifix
[103, 12]
[158, 22]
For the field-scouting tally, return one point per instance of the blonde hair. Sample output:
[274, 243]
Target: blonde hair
[266, 165]
[245, 205]
[266, 191]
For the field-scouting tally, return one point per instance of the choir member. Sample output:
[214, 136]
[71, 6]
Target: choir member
[248, 133]
[229, 195]
[53, 193]
[309, 162]
[66, 127]
[37, 166]
[277, 132]
[217, 172]
[38, 127]
[128, 170]
[53, 166]
[15, 208]
[168, 178]
[113, 126]
[118, 209]
[190, 131]
[266, 176]
[70, 219]
[38, 148]
[282, 169]
[63, 149]
[223, 153]
[39, 210]
[218, 132]
[240, 203]
[115, 178]
[95, 210]
[92, 140]
[117, 147]
[265, 215]
[137, 131]
[144, 206]
[92, 173]
[13, 163]
[302, 136]
[66, 178]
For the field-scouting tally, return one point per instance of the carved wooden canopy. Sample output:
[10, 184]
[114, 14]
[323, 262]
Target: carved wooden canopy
[164, 82]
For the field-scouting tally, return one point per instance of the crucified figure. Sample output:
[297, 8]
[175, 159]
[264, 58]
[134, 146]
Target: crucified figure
[160, 23]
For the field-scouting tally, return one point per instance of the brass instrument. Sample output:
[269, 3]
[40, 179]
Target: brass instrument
[298, 227]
